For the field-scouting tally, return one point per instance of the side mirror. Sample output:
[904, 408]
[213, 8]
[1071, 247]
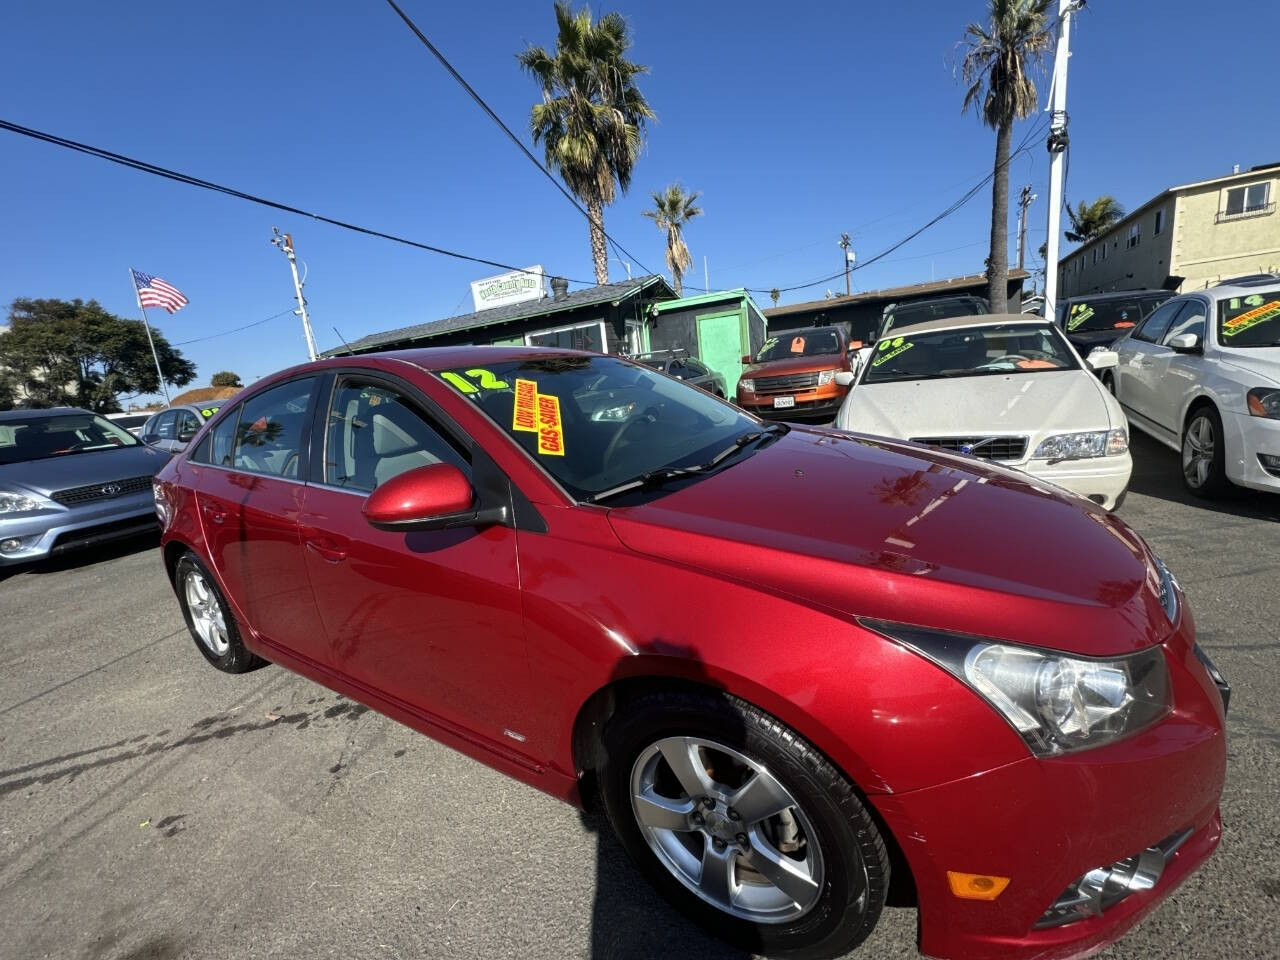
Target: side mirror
[186, 436]
[1185, 343]
[425, 498]
[844, 378]
[1103, 359]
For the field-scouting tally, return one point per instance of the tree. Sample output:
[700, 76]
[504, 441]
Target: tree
[225, 378]
[999, 61]
[774, 294]
[672, 209]
[1092, 220]
[68, 352]
[592, 115]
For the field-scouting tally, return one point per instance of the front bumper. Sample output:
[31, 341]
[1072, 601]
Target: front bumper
[1045, 823]
[1246, 437]
[1103, 480]
[56, 531]
[816, 409]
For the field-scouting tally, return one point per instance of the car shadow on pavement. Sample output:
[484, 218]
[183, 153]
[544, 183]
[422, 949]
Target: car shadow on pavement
[1157, 472]
[87, 557]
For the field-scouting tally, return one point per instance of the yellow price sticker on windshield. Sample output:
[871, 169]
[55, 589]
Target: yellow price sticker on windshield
[1079, 314]
[889, 349]
[550, 429]
[525, 413]
[1268, 311]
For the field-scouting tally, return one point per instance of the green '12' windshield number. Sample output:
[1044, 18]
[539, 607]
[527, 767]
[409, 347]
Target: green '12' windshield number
[486, 380]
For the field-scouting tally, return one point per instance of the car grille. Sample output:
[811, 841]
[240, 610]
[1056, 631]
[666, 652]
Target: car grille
[985, 448]
[94, 492]
[790, 383]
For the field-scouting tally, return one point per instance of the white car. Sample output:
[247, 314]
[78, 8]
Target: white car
[1003, 387]
[1202, 375]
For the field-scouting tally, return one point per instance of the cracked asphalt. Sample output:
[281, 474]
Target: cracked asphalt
[152, 808]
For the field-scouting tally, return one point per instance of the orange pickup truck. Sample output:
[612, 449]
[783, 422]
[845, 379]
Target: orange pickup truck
[797, 375]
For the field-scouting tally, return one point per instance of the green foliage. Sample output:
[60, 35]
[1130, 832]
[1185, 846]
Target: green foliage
[68, 352]
[672, 209]
[592, 115]
[1091, 220]
[225, 378]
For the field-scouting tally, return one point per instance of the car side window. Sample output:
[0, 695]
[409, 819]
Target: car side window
[375, 433]
[188, 424]
[696, 369]
[217, 446]
[1190, 320]
[1154, 327]
[161, 428]
[268, 436]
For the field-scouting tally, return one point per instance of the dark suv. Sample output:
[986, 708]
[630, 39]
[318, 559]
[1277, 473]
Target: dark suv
[1099, 319]
[935, 308]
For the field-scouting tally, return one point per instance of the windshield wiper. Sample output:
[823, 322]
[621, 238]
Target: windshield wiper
[654, 478]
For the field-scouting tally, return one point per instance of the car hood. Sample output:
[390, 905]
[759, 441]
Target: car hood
[81, 469]
[1031, 404]
[867, 527]
[1260, 361]
[774, 368]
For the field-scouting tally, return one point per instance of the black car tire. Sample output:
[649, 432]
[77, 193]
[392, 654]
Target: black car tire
[237, 658]
[855, 879]
[1204, 423]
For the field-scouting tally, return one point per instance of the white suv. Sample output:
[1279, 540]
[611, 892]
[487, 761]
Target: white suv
[1202, 375]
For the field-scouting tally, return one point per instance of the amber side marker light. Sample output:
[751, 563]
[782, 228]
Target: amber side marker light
[976, 886]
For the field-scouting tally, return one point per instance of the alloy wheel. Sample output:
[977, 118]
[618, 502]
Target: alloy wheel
[727, 829]
[1198, 447]
[206, 613]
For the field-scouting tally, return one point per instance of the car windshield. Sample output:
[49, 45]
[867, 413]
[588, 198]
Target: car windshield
[1118, 314]
[596, 422]
[799, 343]
[59, 435]
[909, 313]
[969, 352]
[1252, 321]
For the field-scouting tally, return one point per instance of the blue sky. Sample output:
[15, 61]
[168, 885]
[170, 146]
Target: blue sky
[795, 127]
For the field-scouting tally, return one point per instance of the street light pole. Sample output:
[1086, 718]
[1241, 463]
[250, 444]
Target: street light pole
[284, 243]
[1057, 150]
[848, 260]
[1024, 201]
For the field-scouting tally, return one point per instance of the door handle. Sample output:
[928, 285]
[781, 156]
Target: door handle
[326, 549]
[217, 516]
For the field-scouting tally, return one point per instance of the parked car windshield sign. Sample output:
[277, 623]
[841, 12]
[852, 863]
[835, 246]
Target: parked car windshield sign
[1252, 321]
[596, 422]
[1106, 315]
[41, 437]
[803, 343]
[969, 352]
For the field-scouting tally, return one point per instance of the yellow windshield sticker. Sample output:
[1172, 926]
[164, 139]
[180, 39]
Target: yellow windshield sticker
[550, 429]
[525, 413]
[1254, 300]
[458, 381]
[1268, 311]
[208, 412]
[487, 380]
[889, 349]
[1079, 314]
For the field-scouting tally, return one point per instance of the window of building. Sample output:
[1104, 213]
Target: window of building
[1095, 256]
[1159, 223]
[582, 336]
[1082, 263]
[1135, 235]
[1246, 201]
[1104, 250]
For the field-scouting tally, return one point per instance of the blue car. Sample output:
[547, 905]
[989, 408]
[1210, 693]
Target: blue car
[70, 479]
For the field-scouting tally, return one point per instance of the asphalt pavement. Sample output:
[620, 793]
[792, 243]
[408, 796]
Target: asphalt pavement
[152, 808]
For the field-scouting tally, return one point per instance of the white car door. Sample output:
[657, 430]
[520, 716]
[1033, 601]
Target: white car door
[1140, 363]
[1175, 374]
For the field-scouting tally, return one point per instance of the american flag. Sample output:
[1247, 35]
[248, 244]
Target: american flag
[154, 292]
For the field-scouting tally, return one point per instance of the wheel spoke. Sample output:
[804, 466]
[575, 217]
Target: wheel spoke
[786, 874]
[662, 813]
[759, 798]
[716, 879]
[684, 756]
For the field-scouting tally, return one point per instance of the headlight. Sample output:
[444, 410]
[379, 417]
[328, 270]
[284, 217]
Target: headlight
[613, 414]
[746, 385]
[825, 377]
[1264, 402]
[1056, 702]
[1080, 446]
[15, 503]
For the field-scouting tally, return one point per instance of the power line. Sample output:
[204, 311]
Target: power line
[256, 323]
[151, 168]
[489, 111]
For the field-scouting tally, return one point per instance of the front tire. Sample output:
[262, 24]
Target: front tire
[209, 618]
[743, 825]
[1204, 455]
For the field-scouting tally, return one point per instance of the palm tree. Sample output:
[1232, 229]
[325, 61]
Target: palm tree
[998, 63]
[774, 294]
[672, 209]
[1093, 219]
[592, 115]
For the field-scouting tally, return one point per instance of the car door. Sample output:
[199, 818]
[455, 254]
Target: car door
[1175, 374]
[249, 491]
[429, 618]
[1139, 352]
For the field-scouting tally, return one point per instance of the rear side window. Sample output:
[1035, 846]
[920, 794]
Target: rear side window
[268, 436]
[217, 446]
[376, 433]
[1155, 326]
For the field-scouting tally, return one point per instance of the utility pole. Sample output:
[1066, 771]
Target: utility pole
[284, 243]
[1057, 149]
[1024, 200]
[848, 262]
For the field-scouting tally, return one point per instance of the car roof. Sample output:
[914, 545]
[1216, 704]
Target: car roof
[1119, 295]
[27, 414]
[957, 323]
[1233, 290]
[827, 327]
[934, 301]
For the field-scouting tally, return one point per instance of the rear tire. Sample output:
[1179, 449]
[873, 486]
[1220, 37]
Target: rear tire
[1204, 455]
[209, 618]
[820, 898]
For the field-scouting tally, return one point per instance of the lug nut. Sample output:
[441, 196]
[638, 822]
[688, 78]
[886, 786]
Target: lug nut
[708, 803]
[718, 845]
[697, 819]
[734, 815]
[742, 839]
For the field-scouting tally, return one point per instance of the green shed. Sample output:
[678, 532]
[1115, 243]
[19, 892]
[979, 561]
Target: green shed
[718, 328]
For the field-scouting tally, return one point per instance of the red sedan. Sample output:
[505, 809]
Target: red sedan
[806, 673]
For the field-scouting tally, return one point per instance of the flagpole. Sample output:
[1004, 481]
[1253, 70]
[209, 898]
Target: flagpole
[154, 356]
